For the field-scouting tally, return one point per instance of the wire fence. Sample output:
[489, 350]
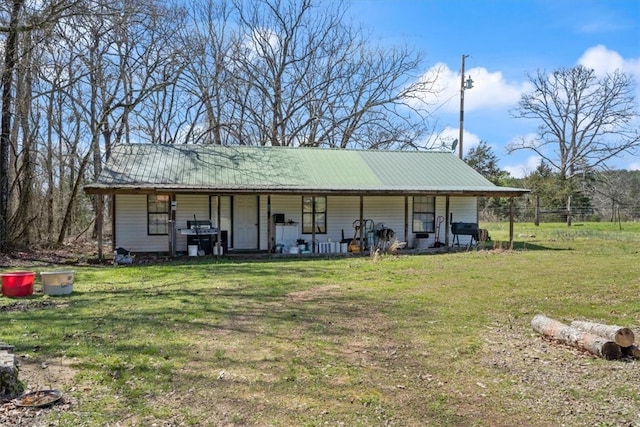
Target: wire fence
[562, 215]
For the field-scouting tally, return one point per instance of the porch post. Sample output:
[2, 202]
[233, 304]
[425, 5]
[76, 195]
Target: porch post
[313, 225]
[99, 223]
[113, 222]
[172, 225]
[269, 226]
[406, 219]
[361, 224]
[219, 226]
[446, 221]
[511, 222]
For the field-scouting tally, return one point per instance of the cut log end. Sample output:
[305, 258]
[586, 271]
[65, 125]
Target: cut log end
[625, 337]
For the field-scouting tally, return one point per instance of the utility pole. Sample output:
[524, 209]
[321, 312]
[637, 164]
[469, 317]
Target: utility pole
[468, 84]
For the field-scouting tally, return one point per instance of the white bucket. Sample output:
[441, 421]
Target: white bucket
[57, 282]
[344, 247]
[193, 250]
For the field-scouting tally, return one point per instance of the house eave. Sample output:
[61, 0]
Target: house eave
[472, 192]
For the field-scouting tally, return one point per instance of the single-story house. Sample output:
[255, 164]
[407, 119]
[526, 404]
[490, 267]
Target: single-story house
[266, 199]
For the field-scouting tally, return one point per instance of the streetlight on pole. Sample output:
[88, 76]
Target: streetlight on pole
[464, 84]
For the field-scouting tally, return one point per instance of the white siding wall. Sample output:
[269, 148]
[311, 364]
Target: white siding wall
[342, 211]
[131, 226]
[263, 220]
[290, 206]
[225, 215]
[387, 210]
[463, 209]
[187, 206]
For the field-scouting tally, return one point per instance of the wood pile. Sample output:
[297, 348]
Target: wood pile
[606, 341]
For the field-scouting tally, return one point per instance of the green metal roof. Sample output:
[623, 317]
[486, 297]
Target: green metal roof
[233, 169]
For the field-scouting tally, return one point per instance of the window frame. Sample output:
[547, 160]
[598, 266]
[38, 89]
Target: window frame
[427, 225]
[154, 203]
[315, 215]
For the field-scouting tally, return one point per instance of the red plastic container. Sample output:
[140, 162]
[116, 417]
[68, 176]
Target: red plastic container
[18, 283]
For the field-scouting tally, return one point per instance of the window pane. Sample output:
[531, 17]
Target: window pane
[321, 204]
[307, 223]
[423, 223]
[158, 203]
[158, 224]
[321, 223]
[314, 215]
[158, 206]
[424, 208]
[307, 204]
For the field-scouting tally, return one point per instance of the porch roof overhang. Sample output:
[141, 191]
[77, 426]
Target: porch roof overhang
[168, 189]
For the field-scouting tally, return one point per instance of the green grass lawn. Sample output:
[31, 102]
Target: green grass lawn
[399, 340]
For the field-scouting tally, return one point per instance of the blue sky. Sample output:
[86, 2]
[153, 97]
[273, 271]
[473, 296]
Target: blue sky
[505, 40]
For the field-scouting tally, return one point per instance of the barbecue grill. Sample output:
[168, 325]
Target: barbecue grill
[200, 233]
[464, 229]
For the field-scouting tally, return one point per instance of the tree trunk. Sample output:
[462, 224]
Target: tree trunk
[594, 344]
[624, 337]
[5, 126]
[26, 209]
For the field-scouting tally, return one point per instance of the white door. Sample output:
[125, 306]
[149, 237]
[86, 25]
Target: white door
[245, 222]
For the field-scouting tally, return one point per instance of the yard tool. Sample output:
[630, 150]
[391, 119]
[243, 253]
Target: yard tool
[354, 246]
[439, 222]
[200, 250]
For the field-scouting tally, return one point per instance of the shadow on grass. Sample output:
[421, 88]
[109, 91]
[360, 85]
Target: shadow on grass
[148, 319]
[523, 246]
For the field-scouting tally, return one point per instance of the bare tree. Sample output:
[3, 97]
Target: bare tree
[89, 74]
[126, 63]
[81, 72]
[207, 82]
[307, 78]
[615, 194]
[20, 18]
[585, 120]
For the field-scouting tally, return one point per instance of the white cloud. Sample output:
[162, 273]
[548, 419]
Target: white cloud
[523, 169]
[603, 61]
[490, 89]
[449, 134]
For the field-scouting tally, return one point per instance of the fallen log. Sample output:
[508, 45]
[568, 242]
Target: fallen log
[575, 337]
[624, 337]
